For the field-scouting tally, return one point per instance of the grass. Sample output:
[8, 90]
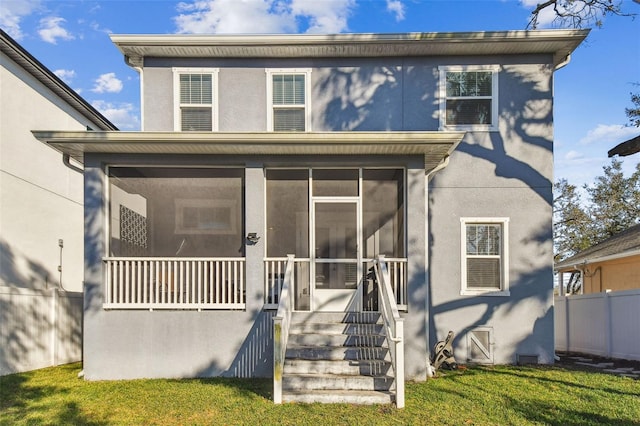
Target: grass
[477, 396]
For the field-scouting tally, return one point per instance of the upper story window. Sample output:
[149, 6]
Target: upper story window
[469, 97]
[485, 257]
[288, 100]
[195, 99]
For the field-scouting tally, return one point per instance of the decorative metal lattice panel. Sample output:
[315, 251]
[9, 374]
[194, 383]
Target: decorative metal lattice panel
[133, 232]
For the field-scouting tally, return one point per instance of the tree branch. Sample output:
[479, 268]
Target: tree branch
[577, 13]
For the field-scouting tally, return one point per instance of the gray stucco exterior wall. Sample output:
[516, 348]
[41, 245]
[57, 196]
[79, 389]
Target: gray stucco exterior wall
[500, 174]
[123, 344]
[505, 173]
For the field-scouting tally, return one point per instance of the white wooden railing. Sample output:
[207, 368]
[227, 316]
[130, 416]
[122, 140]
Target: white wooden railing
[397, 268]
[394, 325]
[174, 283]
[281, 323]
[274, 270]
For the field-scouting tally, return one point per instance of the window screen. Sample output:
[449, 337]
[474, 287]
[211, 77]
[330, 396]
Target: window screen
[288, 100]
[176, 212]
[469, 97]
[287, 213]
[484, 249]
[196, 102]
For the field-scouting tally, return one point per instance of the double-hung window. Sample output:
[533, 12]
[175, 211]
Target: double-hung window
[469, 97]
[288, 100]
[485, 260]
[195, 99]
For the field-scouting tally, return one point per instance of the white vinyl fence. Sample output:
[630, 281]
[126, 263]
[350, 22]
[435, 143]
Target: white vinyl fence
[603, 324]
[39, 328]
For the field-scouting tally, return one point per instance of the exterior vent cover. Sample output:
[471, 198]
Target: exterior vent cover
[480, 345]
[527, 359]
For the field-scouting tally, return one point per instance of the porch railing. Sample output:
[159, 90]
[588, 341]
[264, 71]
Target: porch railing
[281, 323]
[274, 271]
[174, 283]
[394, 326]
[274, 268]
[397, 268]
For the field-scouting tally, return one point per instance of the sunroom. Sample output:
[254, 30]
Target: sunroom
[185, 213]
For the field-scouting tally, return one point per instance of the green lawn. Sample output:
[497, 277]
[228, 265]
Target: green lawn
[478, 396]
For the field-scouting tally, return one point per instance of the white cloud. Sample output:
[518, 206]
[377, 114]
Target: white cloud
[573, 155]
[65, 75]
[107, 83]
[51, 30]
[123, 115]
[263, 16]
[397, 8]
[584, 162]
[232, 16]
[324, 17]
[609, 134]
[12, 12]
[96, 27]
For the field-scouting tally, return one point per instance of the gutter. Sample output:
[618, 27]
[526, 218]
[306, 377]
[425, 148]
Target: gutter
[35, 68]
[579, 266]
[66, 160]
[563, 63]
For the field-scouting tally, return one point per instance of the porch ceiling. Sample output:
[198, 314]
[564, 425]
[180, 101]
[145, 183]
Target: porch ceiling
[433, 145]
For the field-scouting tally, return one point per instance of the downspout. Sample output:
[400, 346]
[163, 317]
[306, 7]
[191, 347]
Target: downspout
[66, 160]
[444, 163]
[580, 268]
[564, 62]
[137, 62]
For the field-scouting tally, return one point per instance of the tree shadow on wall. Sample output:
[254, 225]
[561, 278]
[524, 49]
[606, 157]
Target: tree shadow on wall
[405, 97]
[361, 98]
[523, 141]
[26, 315]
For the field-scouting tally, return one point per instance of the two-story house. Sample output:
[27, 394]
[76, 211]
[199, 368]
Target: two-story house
[434, 150]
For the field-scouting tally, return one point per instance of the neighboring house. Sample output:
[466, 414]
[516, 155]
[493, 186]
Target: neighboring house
[433, 149]
[41, 208]
[611, 265]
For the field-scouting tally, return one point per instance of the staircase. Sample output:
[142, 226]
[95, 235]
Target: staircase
[337, 358]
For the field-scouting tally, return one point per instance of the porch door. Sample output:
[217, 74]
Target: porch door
[336, 255]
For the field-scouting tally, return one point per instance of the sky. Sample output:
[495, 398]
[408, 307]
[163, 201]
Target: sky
[71, 38]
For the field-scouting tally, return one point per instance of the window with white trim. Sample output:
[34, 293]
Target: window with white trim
[485, 260]
[288, 107]
[469, 97]
[195, 99]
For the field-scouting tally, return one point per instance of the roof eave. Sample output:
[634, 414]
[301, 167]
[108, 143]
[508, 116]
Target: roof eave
[433, 145]
[559, 43]
[573, 265]
[33, 66]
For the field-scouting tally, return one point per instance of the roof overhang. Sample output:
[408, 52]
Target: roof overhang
[435, 146]
[632, 146]
[558, 43]
[29, 63]
[568, 265]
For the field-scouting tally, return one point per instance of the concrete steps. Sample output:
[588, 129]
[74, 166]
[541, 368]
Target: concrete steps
[345, 367]
[337, 358]
[340, 397]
